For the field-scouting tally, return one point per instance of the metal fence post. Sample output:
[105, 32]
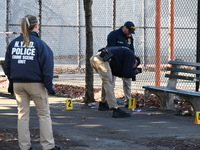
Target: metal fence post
[114, 15]
[157, 38]
[40, 17]
[144, 35]
[7, 21]
[79, 35]
[171, 30]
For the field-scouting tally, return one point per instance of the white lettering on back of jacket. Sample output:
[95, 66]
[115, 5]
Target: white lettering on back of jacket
[23, 53]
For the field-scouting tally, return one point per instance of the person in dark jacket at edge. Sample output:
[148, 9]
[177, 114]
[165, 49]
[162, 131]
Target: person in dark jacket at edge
[29, 64]
[118, 61]
[123, 37]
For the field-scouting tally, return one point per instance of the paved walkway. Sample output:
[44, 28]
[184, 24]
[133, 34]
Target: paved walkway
[86, 128]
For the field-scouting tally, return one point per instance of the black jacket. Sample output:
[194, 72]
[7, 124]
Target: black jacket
[122, 61]
[118, 38]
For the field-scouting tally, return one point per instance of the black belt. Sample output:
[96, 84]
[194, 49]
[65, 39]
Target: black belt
[105, 54]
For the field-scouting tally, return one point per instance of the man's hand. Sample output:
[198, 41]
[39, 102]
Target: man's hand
[52, 92]
[135, 64]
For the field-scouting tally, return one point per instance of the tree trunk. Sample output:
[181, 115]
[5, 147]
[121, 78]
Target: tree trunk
[89, 90]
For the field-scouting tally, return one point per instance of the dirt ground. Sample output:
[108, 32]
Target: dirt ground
[8, 141]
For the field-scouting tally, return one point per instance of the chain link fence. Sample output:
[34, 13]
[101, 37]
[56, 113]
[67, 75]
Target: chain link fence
[63, 29]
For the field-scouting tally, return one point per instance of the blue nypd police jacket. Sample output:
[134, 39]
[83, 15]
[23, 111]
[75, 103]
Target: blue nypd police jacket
[118, 38]
[122, 61]
[29, 64]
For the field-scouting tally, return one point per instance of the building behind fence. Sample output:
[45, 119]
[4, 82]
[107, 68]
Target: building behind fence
[63, 29]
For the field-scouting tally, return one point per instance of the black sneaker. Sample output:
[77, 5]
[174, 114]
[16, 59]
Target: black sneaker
[103, 106]
[119, 113]
[126, 106]
[55, 148]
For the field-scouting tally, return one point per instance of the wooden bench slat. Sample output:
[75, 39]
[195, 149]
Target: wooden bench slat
[185, 63]
[174, 91]
[183, 70]
[182, 77]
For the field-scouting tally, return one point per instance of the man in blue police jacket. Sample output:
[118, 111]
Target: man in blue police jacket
[123, 37]
[118, 61]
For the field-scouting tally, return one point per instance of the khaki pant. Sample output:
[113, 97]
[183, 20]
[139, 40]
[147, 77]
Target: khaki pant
[104, 71]
[37, 92]
[126, 87]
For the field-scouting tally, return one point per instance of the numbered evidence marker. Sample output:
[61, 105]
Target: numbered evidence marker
[69, 104]
[197, 117]
[131, 103]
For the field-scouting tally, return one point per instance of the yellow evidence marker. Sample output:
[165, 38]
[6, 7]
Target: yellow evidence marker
[69, 104]
[132, 103]
[197, 117]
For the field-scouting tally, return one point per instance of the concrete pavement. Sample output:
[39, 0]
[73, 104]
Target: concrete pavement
[86, 128]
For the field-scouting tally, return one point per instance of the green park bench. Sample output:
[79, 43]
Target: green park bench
[178, 70]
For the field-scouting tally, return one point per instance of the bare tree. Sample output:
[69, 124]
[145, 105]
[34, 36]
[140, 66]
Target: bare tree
[89, 90]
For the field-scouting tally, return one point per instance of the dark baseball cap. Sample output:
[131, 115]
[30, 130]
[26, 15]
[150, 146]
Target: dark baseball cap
[130, 25]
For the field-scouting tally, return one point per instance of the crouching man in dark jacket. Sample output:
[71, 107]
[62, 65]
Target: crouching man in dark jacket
[118, 61]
